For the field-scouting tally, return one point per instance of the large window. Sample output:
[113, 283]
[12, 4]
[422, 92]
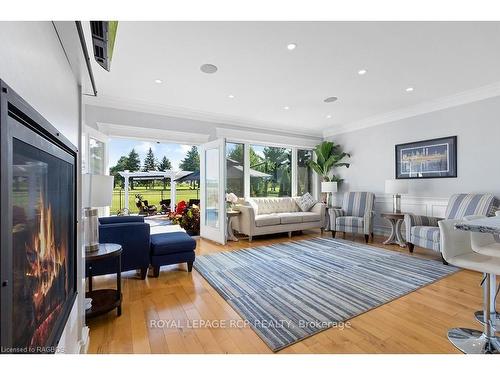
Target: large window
[304, 172]
[270, 171]
[235, 161]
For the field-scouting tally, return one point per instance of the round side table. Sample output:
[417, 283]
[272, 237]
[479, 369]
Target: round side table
[231, 216]
[396, 220]
[104, 300]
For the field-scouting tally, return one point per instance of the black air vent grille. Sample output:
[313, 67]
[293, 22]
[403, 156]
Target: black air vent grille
[100, 42]
[98, 52]
[97, 29]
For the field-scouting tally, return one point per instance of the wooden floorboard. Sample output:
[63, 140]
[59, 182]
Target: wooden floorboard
[415, 323]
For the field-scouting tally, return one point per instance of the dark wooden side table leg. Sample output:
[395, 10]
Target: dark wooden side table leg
[119, 285]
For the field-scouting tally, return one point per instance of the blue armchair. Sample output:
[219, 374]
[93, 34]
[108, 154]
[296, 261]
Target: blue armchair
[133, 234]
[356, 215]
[423, 231]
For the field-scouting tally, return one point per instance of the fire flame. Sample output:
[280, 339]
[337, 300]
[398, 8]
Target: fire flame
[48, 256]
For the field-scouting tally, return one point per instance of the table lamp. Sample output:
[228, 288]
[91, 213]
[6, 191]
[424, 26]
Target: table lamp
[328, 187]
[97, 191]
[396, 188]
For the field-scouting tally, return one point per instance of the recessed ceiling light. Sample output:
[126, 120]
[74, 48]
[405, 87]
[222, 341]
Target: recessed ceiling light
[230, 96]
[362, 72]
[286, 108]
[291, 46]
[330, 99]
[208, 68]
[409, 89]
[158, 81]
[328, 116]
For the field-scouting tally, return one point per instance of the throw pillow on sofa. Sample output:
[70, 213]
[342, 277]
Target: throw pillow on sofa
[306, 202]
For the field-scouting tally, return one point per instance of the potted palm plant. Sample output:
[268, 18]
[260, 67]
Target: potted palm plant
[329, 156]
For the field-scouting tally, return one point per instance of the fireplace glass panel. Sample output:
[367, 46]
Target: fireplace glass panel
[42, 242]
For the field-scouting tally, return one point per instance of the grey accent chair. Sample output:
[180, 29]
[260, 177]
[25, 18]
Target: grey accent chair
[423, 231]
[355, 216]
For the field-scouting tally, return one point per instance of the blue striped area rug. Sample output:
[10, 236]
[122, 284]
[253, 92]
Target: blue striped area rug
[292, 290]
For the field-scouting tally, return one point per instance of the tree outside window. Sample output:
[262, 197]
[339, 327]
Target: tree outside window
[304, 172]
[274, 165]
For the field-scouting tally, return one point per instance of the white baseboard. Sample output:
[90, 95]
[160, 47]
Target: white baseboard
[84, 342]
[428, 206]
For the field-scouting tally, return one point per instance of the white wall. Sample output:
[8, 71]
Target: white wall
[33, 63]
[477, 126]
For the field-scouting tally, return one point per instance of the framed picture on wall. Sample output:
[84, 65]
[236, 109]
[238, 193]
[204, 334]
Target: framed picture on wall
[433, 158]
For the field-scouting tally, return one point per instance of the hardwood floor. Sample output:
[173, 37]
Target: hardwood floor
[415, 323]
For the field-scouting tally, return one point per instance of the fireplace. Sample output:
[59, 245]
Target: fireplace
[38, 228]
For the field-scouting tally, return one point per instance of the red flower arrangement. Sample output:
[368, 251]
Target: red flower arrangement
[187, 218]
[181, 207]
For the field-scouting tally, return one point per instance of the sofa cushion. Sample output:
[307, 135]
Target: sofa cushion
[427, 237]
[291, 217]
[267, 220]
[305, 202]
[349, 222]
[308, 217]
[461, 205]
[427, 233]
[173, 242]
[273, 205]
[358, 203]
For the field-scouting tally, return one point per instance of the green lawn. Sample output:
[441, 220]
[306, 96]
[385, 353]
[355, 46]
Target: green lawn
[153, 196]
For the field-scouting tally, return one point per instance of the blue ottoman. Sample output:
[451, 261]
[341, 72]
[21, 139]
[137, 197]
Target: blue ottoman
[171, 248]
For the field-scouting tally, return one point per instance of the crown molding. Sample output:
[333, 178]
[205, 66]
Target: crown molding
[150, 134]
[450, 101]
[246, 136]
[191, 114]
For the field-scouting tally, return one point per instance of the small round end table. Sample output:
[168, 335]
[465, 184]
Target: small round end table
[396, 220]
[104, 300]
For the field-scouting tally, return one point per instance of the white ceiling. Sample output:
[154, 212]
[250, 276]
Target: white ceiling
[437, 59]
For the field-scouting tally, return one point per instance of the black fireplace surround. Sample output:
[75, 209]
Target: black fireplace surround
[38, 171]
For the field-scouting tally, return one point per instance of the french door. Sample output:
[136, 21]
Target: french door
[213, 190]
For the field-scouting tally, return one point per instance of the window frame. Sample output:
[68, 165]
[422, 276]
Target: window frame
[294, 178]
[88, 133]
[244, 165]
[313, 174]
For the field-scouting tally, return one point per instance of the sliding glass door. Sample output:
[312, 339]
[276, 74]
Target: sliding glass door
[213, 189]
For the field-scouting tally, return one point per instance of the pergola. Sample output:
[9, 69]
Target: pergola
[154, 175]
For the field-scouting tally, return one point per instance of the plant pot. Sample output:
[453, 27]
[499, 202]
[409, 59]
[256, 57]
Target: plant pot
[193, 232]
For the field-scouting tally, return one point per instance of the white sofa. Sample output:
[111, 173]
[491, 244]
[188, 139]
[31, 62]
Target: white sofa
[261, 216]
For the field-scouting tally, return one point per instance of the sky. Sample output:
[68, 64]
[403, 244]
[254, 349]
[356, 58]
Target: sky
[121, 147]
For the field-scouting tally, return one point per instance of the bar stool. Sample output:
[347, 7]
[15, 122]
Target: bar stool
[456, 250]
[485, 243]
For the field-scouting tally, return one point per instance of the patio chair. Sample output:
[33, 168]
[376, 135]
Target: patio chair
[165, 206]
[144, 207]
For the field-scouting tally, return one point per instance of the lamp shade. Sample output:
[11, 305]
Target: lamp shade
[97, 190]
[329, 187]
[396, 186]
